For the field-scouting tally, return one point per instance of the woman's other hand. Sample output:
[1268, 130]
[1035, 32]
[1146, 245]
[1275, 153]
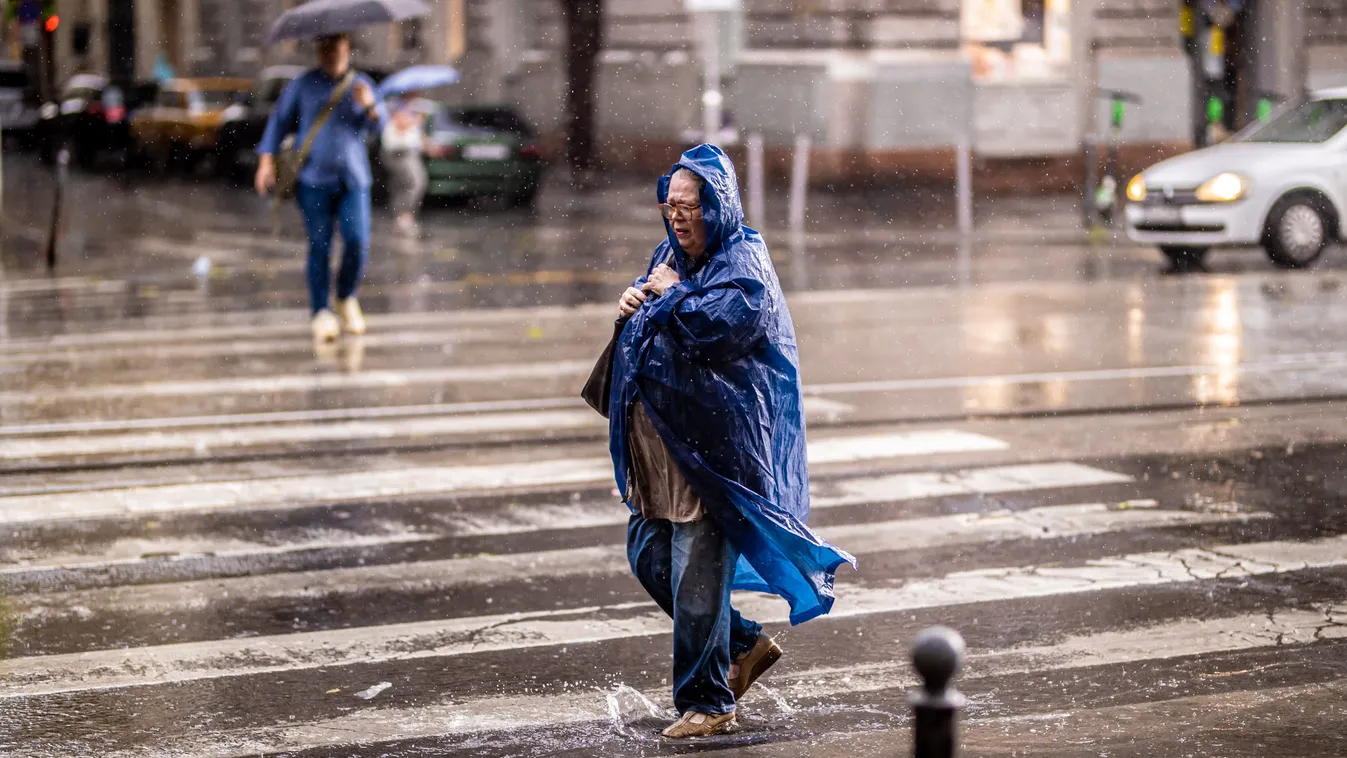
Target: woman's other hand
[661, 279]
[630, 301]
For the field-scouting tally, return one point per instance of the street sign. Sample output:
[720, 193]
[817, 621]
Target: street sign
[697, 6]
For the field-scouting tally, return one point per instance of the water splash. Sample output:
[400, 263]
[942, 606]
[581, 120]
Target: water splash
[776, 697]
[628, 705]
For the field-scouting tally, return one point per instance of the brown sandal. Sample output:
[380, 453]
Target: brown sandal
[754, 664]
[695, 724]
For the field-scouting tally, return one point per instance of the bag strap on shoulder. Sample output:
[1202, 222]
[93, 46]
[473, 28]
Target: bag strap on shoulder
[338, 93]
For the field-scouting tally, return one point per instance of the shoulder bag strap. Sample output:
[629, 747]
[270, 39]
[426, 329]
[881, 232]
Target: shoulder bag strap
[338, 93]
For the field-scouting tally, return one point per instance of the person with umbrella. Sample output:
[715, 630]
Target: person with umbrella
[403, 144]
[401, 147]
[333, 183]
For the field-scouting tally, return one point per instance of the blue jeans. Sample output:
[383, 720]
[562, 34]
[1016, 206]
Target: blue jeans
[322, 207]
[688, 570]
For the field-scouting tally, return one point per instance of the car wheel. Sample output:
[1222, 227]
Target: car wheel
[1297, 230]
[1185, 258]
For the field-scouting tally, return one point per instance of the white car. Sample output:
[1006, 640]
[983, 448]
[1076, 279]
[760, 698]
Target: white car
[1281, 185]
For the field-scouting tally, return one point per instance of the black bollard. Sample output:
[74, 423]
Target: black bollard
[54, 230]
[937, 655]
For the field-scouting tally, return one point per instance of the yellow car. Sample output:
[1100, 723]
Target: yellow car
[185, 119]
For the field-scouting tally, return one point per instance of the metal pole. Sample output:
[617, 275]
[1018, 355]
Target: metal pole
[755, 181]
[711, 96]
[937, 655]
[964, 186]
[799, 184]
[1091, 179]
[54, 231]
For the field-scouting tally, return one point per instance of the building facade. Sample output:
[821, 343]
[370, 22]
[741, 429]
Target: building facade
[882, 87]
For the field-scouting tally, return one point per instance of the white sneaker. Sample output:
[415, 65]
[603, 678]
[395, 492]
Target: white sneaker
[325, 326]
[352, 320]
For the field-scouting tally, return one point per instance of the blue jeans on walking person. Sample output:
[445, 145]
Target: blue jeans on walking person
[324, 207]
[688, 570]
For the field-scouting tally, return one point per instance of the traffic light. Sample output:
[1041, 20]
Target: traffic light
[52, 23]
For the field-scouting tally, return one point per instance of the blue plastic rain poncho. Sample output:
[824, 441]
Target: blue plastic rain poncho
[715, 363]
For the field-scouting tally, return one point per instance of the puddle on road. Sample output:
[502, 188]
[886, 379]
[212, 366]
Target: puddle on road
[765, 715]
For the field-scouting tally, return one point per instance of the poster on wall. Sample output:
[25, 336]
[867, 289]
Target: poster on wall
[992, 20]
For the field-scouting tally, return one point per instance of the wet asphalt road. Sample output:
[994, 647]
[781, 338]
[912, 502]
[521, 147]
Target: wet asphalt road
[1123, 487]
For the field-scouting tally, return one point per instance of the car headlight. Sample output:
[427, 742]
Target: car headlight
[1136, 189]
[1223, 188]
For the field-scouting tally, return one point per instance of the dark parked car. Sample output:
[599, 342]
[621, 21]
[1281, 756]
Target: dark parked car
[93, 118]
[236, 151]
[489, 150]
[19, 102]
[236, 154]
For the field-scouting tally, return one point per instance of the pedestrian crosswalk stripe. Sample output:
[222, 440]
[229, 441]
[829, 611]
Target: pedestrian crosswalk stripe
[345, 487]
[243, 344]
[522, 714]
[1047, 522]
[104, 669]
[1275, 364]
[212, 437]
[814, 406]
[583, 515]
[569, 369]
[202, 441]
[129, 551]
[280, 383]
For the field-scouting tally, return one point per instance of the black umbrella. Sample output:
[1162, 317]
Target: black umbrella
[322, 17]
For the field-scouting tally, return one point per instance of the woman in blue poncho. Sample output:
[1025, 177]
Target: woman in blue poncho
[708, 443]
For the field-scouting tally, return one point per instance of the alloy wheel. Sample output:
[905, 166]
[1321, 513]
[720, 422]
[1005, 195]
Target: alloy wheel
[1301, 231]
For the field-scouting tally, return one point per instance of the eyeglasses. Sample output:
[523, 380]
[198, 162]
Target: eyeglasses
[672, 212]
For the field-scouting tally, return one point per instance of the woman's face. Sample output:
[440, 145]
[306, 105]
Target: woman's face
[334, 53]
[690, 229]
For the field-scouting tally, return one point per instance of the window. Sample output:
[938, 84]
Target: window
[216, 99]
[271, 89]
[1314, 122]
[495, 119]
[1017, 39]
[412, 30]
[171, 99]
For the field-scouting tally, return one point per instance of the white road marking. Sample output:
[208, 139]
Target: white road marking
[107, 669]
[536, 518]
[334, 424]
[1049, 522]
[990, 480]
[139, 550]
[1279, 363]
[522, 713]
[574, 368]
[297, 344]
[203, 441]
[294, 491]
[281, 383]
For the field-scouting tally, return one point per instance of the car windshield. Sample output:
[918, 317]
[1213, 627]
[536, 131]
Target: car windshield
[496, 119]
[219, 98]
[1314, 122]
[82, 93]
[270, 90]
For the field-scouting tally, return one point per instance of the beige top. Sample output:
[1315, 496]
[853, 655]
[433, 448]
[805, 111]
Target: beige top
[658, 489]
